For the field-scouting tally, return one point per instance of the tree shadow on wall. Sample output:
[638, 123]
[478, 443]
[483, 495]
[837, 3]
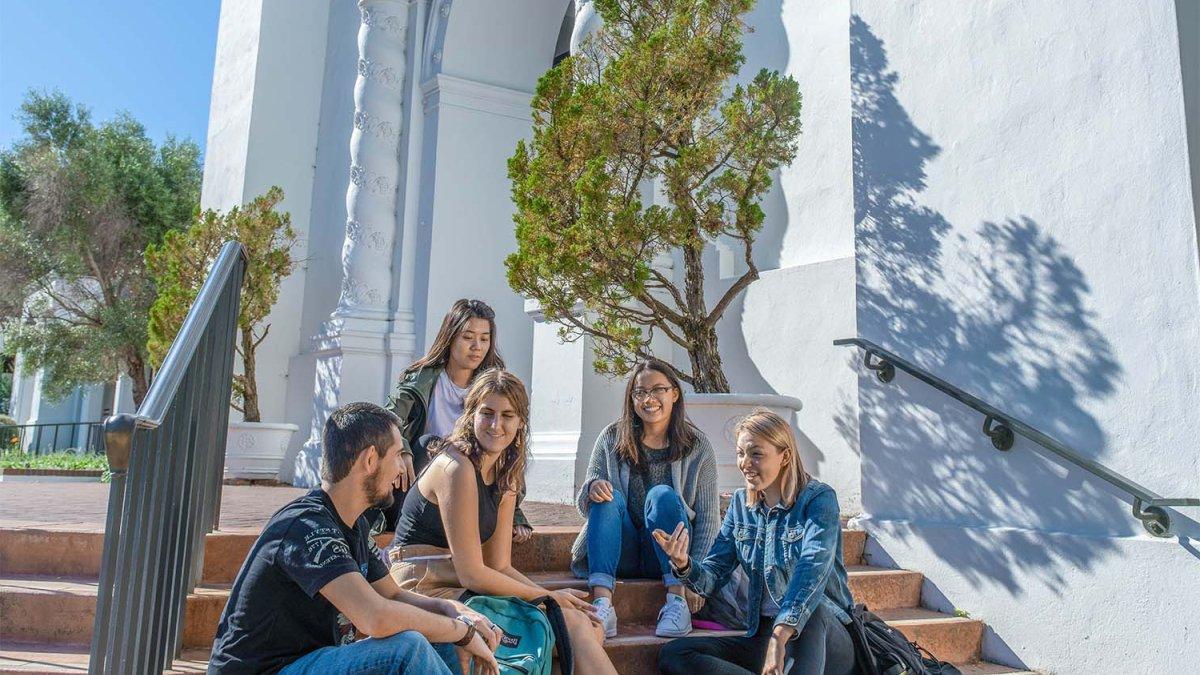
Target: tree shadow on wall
[1001, 312]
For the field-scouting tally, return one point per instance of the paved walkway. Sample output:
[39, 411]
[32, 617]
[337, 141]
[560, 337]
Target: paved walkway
[82, 506]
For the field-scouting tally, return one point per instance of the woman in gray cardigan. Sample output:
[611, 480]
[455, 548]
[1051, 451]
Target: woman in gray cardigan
[649, 470]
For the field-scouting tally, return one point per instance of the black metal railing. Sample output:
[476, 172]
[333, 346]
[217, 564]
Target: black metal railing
[1000, 427]
[166, 463]
[40, 439]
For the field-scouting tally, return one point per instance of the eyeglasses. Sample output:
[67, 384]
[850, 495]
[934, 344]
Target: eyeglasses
[659, 392]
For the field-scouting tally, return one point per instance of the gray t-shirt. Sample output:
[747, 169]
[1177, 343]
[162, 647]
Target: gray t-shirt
[445, 406]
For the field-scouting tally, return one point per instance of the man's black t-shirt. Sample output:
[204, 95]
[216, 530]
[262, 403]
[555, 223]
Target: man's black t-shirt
[276, 614]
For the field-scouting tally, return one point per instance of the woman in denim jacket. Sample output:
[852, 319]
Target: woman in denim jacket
[783, 528]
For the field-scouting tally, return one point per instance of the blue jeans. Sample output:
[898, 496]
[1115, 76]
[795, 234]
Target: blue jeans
[617, 548]
[405, 652]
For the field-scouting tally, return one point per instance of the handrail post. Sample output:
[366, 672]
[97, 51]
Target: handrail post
[118, 444]
[166, 463]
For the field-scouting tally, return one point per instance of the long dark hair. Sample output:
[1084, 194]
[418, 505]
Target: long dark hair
[452, 324]
[680, 433]
[510, 468]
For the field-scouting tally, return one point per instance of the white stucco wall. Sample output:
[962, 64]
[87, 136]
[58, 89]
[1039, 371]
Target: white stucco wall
[263, 131]
[327, 232]
[1025, 230]
[778, 337]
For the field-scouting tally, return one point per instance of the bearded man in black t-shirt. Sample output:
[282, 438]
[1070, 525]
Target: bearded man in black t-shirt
[310, 587]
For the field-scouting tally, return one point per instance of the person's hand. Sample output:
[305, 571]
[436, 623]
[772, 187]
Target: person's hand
[695, 601]
[675, 545]
[477, 650]
[522, 534]
[777, 650]
[408, 475]
[574, 598]
[600, 491]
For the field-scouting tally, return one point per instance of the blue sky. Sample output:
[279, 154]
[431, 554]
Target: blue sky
[153, 59]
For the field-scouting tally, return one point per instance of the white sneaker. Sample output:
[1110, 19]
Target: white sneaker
[608, 616]
[674, 619]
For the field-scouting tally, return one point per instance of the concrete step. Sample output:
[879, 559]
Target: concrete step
[62, 609]
[638, 600]
[78, 553]
[634, 653]
[32, 658]
[635, 649]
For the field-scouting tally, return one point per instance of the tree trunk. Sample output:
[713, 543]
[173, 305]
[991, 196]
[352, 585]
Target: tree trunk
[707, 372]
[136, 367]
[249, 383]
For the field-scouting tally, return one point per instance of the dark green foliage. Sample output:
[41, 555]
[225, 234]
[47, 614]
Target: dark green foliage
[79, 203]
[647, 106]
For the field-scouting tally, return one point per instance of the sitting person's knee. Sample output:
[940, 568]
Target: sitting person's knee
[617, 502]
[670, 657]
[662, 494]
[576, 620]
[663, 502]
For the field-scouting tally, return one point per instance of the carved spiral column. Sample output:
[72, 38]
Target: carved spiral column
[379, 94]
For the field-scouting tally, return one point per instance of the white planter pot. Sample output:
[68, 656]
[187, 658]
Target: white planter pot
[256, 449]
[717, 414]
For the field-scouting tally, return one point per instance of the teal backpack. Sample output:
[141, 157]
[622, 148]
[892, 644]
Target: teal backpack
[528, 634]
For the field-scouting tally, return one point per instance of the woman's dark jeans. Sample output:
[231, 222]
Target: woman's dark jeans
[823, 647]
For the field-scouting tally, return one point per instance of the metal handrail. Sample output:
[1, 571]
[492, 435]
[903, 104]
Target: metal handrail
[167, 462]
[166, 381]
[1000, 428]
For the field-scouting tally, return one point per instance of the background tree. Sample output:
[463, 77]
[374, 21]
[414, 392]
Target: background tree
[79, 203]
[181, 263]
[647, 103]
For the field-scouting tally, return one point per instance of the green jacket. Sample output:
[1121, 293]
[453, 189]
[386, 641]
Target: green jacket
[410, 402]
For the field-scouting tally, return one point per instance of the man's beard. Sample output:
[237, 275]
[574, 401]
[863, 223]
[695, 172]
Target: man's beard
[378, 496]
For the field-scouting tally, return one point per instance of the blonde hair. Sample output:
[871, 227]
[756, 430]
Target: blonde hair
[510, 468]
[775, 430]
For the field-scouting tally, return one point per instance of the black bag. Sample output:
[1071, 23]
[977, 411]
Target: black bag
[880, 649]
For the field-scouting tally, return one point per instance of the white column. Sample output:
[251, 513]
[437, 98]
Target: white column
[374, 161]
[357, 346]
[569, 405]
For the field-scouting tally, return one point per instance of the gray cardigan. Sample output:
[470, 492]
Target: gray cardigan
[694, 478]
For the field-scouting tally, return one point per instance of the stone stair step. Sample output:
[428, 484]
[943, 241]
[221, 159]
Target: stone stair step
[638, 600]
[634, 652]
[78, 553]
[27, 601]
[949, 638]
[61, 610]
[32, 658]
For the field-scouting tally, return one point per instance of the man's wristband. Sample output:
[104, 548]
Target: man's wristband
[683, 571]
[466, 639]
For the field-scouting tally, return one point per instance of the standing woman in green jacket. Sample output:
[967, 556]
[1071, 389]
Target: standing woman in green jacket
[429, 397]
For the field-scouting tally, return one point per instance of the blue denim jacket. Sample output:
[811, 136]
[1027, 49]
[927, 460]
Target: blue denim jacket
[797, 552]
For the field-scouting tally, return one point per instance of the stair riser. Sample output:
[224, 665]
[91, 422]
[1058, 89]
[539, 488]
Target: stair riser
[51, 553]
[954, 641]
[66, 619]
[638, 601]
[957, 642]
[79, 554]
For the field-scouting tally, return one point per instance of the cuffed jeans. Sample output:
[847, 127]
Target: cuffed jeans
[823, 647]
[617, 548]
[405, 652]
